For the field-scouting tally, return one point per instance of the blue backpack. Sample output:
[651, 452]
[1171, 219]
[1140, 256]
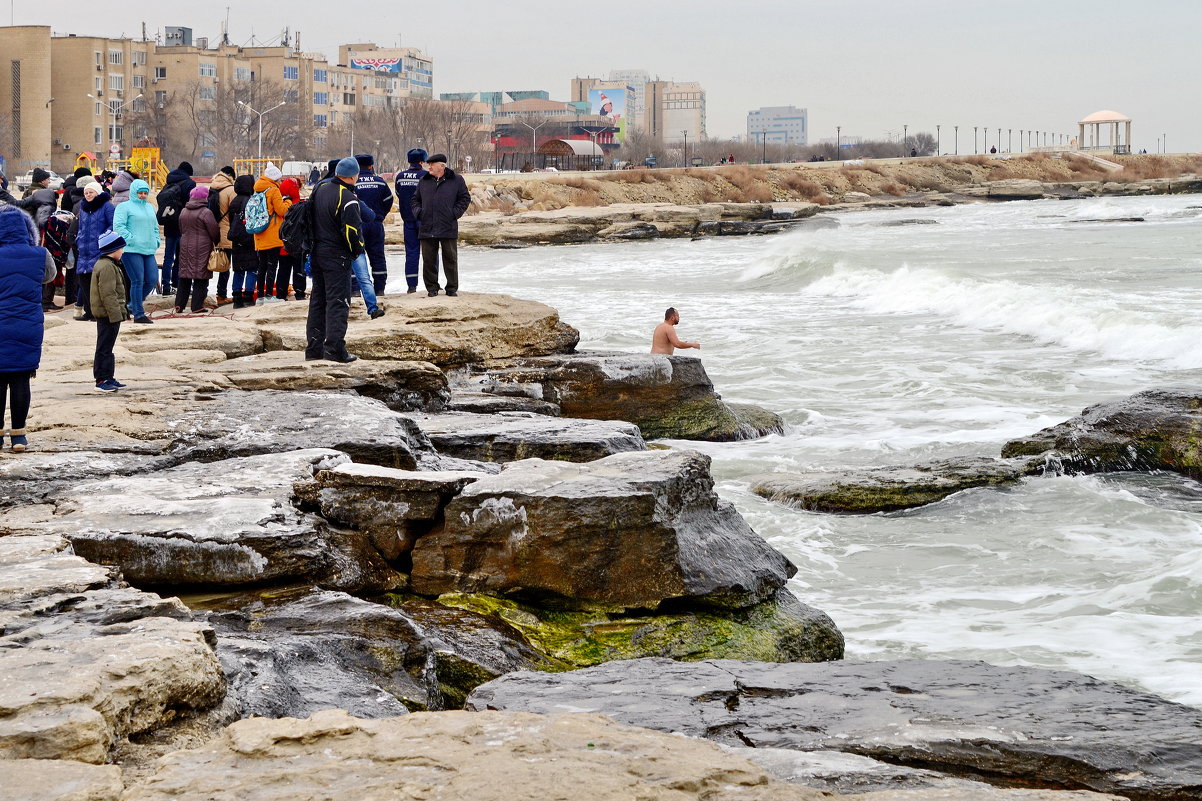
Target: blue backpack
[256, 215]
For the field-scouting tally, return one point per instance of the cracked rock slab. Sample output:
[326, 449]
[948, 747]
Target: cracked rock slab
[512, 435]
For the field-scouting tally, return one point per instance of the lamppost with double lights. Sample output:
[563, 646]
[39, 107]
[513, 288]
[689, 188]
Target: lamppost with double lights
[248, 107]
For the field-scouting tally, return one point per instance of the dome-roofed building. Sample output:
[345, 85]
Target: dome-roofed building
[1120, 142]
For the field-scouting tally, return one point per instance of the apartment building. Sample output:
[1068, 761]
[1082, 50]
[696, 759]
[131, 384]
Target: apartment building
[778, 125]
[72, 94]
[675, 112]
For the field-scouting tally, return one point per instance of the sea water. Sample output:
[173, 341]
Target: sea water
[891, 337]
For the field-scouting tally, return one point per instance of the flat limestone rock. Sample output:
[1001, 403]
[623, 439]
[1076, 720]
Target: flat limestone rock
[509, 436]
[445, 331]
[58, 780]
[630, 530]
[402, 386]
[235, 423]
[293, 652]
[227, 523]
[492, 756]
[887, 489]
[488, 403]
[665, 396]
[32, 477]
[1158, 429]
[87, 662]
[1043, 728]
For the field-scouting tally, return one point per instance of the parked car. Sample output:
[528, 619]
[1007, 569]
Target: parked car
[26, 181]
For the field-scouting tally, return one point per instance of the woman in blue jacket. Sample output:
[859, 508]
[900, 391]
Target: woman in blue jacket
[95, 215]
[136, 223]
[24, 267]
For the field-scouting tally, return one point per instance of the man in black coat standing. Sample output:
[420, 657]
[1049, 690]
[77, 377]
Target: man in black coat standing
[337, 231]
[440, 200]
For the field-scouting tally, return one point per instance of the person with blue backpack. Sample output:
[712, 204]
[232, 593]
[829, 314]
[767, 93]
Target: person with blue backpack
[24, 267]
[406, 188]
[374, 193]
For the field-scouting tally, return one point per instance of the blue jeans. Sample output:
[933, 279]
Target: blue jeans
[142, 271]
[363, 277]
[170, 268]
[244, 281]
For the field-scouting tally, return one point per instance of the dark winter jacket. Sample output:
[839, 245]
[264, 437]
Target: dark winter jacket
[95, 217]
[175, 195]
[24, 267]
[439, 203]
[337, 223]
[373, 192]
[109, 291]
[406, 188]
[73, 188]
[242, 253]
[198, 235]
[37, 203]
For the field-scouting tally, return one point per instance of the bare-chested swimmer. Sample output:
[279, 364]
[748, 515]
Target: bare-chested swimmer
[664, 340]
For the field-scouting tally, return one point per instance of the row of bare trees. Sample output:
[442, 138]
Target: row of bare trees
[639, 145]
[213, 118]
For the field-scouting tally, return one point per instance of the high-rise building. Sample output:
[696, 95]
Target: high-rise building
[636, 81]
[675, 112]
[778, 125]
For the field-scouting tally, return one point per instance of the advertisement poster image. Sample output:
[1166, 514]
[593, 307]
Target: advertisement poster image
[377, 64]
[610, 103]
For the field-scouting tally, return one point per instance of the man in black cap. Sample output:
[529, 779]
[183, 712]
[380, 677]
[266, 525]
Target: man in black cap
[406, 187]
[374, 193]
[39, 200]
[441, 199]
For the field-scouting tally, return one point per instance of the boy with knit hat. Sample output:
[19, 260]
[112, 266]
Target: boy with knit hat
[110, 296]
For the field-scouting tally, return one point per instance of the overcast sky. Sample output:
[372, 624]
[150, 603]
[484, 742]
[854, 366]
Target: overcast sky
[870, 66]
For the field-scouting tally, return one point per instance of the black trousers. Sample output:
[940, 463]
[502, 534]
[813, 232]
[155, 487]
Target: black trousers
[103, 365]
[329, 306]
[15, 387]
[450, 263]
[291, 271]
[198, 288]
[71, 288]
[269, 263]
[223, 284]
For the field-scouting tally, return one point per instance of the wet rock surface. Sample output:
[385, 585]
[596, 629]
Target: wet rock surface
[295, 651]
[1158, 429]
[491, 756]
[34, 477]
[630, 530]
[1001, 725]
[665, 396]
[87, 662]
[890, 488]
[227, 523]
[509, 436]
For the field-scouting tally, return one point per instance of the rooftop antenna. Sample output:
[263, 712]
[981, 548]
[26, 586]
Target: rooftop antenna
[225, 27]
[284, 36]
[143, 31]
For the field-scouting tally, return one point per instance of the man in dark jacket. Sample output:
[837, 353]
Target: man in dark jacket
[374, 193]
[73, 188]
[441, 199]
[337, 240]
[406, 188]
[39, 200]
[171, 200]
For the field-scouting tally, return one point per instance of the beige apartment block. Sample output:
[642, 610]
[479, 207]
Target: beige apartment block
[26, 98]
[675, 111]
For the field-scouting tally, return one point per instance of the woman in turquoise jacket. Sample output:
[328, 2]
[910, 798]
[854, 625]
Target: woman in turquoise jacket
[135, 222]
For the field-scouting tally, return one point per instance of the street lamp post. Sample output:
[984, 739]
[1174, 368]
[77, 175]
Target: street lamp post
[905, 139]
[974, 141]
[273, 108]
[533, 135]
[839, 142]
[116, 112]
[684, 154]
[957, 149]
[763, 147]
[938, 139]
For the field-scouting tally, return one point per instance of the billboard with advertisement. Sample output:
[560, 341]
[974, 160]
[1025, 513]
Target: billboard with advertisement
[377, 63]
[610, 103]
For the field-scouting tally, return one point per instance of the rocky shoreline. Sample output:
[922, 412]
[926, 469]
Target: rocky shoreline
[250, 576]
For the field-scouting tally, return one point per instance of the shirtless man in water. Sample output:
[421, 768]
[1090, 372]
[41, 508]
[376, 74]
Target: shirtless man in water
[664, 340]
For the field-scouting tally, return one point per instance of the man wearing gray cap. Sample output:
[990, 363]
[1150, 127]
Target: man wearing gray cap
[440, 200]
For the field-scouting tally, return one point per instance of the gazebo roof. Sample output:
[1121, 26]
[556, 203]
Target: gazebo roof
[1105, 115]
[578, 147]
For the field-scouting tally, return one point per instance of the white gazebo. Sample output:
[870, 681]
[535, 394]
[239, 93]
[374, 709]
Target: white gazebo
[1120, 142]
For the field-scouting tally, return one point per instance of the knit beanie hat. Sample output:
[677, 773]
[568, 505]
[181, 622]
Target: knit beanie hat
[416, 155]
[109, 242]
[95, 186]
[199, 193]
[39, 175]
[347, 168]
[273, 172]
[80, 172]
[185, 168]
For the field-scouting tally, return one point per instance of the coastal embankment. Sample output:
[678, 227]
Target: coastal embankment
[741, 200]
